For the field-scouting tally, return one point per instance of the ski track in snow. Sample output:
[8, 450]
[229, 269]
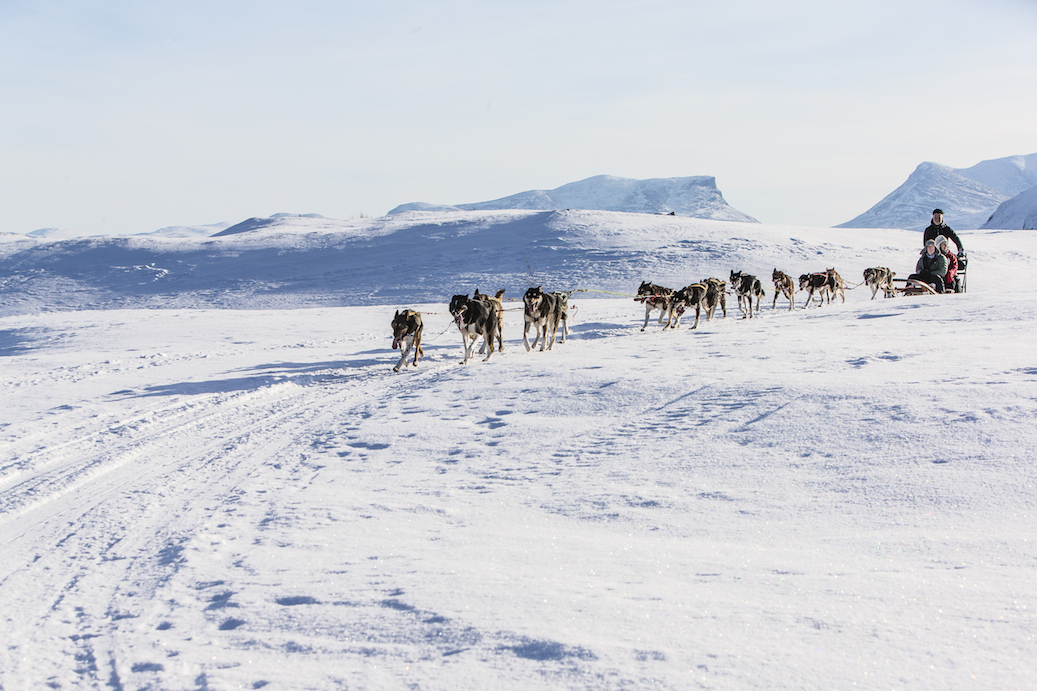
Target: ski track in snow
[203, 499]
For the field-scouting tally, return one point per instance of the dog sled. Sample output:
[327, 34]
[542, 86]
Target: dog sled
[910, 286]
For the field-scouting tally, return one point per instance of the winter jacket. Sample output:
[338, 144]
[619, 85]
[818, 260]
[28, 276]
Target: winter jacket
[943, 229]
[935, 265]
[952, 268]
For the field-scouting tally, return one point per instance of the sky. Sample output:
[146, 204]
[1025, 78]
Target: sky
[122, 117]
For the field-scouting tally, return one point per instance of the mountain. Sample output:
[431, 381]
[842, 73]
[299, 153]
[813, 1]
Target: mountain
[966, 203]
[968, 195]
[1018, 213]
[697, 197]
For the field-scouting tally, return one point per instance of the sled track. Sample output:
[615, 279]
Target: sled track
[109, 510]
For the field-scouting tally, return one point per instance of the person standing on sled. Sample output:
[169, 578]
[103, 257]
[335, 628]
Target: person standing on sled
[931, 267]
[938, 227]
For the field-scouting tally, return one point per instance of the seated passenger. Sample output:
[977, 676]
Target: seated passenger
[931, 267]
[943, 245]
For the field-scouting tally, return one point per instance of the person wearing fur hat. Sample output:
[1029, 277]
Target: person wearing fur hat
[931, 267]
[938, 227]
[943, 246]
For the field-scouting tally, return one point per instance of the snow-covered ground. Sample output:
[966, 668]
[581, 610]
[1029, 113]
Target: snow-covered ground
[835, 497]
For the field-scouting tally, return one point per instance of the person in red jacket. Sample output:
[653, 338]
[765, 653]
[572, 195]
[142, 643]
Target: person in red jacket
[952, 261]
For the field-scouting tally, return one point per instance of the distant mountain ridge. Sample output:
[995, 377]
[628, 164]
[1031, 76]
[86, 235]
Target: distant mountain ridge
[695, 197]
[968, 196]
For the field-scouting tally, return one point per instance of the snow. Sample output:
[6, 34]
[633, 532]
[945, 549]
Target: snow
[250, 498]
[695, 196]
[1019, 212]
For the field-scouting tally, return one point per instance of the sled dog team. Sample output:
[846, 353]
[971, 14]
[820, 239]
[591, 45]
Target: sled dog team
[482, 315]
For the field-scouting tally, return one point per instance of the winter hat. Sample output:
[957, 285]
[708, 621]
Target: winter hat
[938, 211]
[939, 240]
[930, 242]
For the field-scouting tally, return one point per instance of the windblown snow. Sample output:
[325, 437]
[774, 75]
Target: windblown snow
[210, 477]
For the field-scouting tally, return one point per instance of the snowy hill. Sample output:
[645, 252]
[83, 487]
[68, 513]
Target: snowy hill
[697, 197]
[295, 261]
[1018, 213]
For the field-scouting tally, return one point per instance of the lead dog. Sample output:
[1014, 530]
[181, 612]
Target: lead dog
[783, 285]
[716, 294]
[498, 305]
[543, 311]
[747, 287]
[690, 296]
[880, 277]
[814, 282]
[406, 334]
[835, 284]
[474, 318]
[655, 298]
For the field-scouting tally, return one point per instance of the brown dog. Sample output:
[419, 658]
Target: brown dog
[406, 334]
[783, 285]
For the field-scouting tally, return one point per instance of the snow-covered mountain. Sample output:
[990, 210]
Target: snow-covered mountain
[1018, 213]
[968, 195]
[697, 197]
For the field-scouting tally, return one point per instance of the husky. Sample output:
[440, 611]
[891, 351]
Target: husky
[814, 282]
[543, 311]
[747, 287]
[879, 277]
[406, 334]
[563, 312]
[474, 318]
[835, 285]
[655, 298]
[686, 298]
[498, 305]
[783, 285]
[716, 294]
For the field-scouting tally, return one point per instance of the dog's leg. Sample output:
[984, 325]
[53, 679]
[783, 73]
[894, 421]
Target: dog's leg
[648, 312]
[409, 341]
[525, 334]
[488, 341]
[698, 310]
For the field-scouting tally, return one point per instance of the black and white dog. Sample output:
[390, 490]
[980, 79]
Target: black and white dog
[815, 282]
[747, 287]
[716, 294]
[655, 298]
[406, 334]
[686, 298]
[879, 277]
[474, 318]
[545, 312]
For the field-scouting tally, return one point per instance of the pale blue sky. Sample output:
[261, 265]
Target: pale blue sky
[126, 116]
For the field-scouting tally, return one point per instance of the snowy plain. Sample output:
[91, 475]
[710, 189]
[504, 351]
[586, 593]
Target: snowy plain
[200, 498]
